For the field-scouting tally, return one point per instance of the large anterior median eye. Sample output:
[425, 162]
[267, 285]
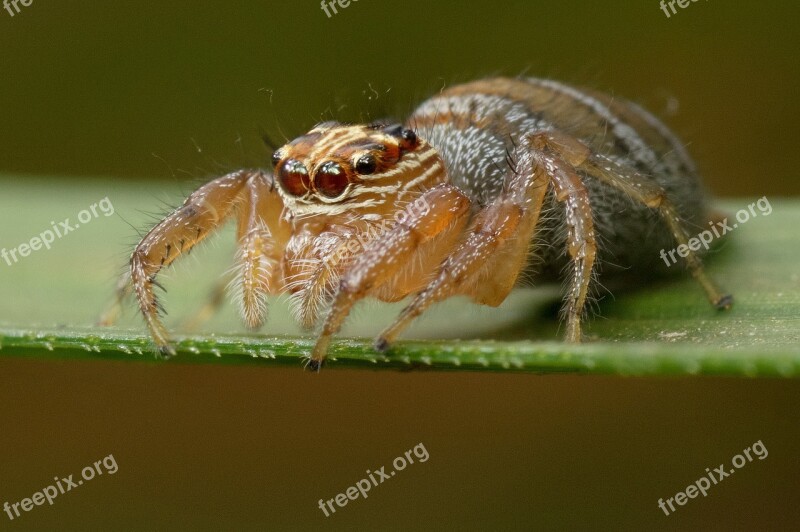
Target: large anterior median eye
[331, 180]
[294, 177]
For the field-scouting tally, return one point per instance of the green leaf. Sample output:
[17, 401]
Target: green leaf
[51, 298]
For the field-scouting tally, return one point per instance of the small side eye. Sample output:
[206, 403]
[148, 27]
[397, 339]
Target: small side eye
[276, 158]
[293, 177]
[331, 180]
[408, 140]
[366, 164]
[406, 137]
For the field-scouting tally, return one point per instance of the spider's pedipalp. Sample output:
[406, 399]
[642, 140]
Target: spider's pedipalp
[258, 254]
[313, 285]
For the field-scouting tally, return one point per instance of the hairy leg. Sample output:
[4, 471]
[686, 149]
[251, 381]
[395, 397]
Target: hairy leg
[320, 262]
[257, 255]
[645, 191]
[202, 212]
[503, 231]
[214, 302]
[122, 292]
[501, 271]
[332, 251]
[386, 255]
[253, 275]
[559, 156]
[492, 226]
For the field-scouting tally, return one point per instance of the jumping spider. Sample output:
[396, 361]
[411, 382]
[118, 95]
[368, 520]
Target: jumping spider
[511, 169]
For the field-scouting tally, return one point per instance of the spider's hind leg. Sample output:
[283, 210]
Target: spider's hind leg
[647, 192]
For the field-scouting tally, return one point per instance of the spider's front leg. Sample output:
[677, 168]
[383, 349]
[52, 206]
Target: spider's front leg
[385, 256]
[202, 212]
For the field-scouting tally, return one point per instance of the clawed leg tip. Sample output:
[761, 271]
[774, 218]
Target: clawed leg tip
[314, 365]
[381, 345]
[724, 303]
[166, 351]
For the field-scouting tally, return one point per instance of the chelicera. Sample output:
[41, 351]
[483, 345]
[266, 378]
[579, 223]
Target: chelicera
[518, 176]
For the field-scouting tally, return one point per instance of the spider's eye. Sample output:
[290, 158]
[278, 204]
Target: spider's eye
[331, 180]
[408, 139]
[294, 177]
[366, 164]
[276, 158]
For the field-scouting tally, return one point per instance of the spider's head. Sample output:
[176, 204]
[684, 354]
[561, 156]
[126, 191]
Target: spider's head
[336, 167]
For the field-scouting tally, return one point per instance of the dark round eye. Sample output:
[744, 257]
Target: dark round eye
[276, 158]
[408, 140]
[294, 177]
[331, 180]
[366, 164]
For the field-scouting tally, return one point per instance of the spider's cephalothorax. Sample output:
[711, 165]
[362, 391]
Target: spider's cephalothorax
[451, 203]
[334, 169]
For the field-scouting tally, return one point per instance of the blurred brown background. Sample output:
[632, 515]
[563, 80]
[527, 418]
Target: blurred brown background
[132, 89]
[165, 93]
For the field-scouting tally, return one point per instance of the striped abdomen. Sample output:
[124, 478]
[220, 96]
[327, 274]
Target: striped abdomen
[477, 125]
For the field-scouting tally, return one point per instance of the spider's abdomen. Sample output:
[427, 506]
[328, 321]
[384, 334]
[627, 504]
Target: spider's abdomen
[477, 128]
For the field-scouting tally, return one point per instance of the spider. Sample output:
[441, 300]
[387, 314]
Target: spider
[520, 178]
